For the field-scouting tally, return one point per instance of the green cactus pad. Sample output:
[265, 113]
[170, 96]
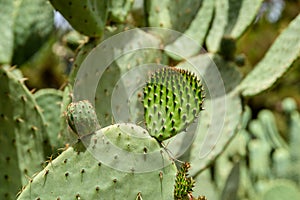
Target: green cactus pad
[209, 142]
[23, 32]
[67, 136]
[82, 118]
[50, 102]
[22, 135]
[281, 189]
[206, 186]
[86, 16]
[172, 100]
[231, 19]
[82, 176]
[281, 55]
[169, 14]
[196, 33]
[30, 31]
[133, 57]
[82, 52]
[119, 9]
[7, 39]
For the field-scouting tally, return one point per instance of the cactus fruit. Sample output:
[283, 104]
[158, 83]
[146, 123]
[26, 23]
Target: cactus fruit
[280, 189]
[86, 16]
[82, 118]
[173, 99]
[22, 135]
[281, 55]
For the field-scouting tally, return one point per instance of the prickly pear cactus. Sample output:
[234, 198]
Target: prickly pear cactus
[173, 99]
[119, 9]
[213, 142]
[167, 14]
[281, 55]
[81, 54]
[196, 33]
[22, 135]
[23, 32]
[89, 178]
[50, 103]
[231, 19]
[115, 81]
[280, 189]
[86, 16]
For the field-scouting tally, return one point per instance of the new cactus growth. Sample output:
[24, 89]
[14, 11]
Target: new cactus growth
[183, 184]
[173, 99]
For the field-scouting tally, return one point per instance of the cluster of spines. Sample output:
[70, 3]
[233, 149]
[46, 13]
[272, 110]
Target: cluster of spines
[172, 100]
[183, 184]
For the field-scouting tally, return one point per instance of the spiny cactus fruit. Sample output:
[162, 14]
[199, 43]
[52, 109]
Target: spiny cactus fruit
[173, 99]
[85, 177]
[82, 118]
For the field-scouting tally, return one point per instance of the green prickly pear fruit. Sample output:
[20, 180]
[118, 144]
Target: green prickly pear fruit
[82, 118]
[173, 99]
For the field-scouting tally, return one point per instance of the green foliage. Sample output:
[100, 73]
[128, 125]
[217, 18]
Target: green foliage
[167, 14]
[210, 148]
[173, 99]
[232, 156]
[22, 135]
[119, 9]
[231, 19]
[122, 65]
[26, 25]
[276, 62]
[86, 16]
[50, 103]
[85, 177]
[196, 31]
